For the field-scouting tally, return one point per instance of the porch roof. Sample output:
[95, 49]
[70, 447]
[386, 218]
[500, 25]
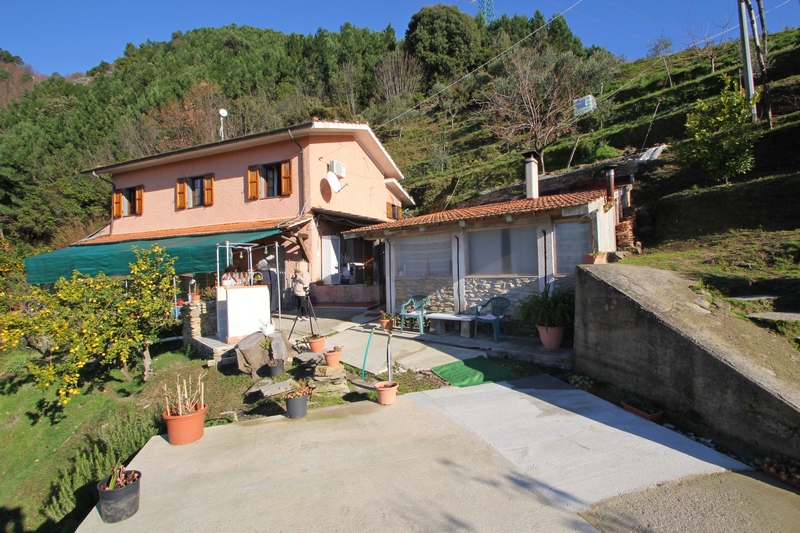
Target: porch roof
[526, 206]
[194, 254]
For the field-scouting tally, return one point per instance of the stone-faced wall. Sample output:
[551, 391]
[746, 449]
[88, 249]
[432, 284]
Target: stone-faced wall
[199, 320]
[440, 291]
[715, 374]
[479, 289]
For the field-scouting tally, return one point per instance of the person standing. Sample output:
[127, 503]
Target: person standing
[270, 277]
[300, 285]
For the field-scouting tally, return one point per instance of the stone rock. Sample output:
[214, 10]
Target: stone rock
[309, 358]
[340, 375]
[332, 389]
[325, 370]
[274, 389]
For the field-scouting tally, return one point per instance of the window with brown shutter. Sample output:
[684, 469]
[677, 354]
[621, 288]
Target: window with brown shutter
[180, 194]
[208, 189]
[388, 210]
[253, 179]
[286, 178]
[139, 195]
[116, 205]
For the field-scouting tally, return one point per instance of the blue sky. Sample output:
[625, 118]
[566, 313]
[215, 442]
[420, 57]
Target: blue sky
[68, 36]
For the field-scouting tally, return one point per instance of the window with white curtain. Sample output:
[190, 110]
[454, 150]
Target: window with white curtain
[428, 255]
[573, 239]
[503, 251]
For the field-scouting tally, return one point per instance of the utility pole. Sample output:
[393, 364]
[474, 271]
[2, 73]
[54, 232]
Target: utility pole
[746, 61]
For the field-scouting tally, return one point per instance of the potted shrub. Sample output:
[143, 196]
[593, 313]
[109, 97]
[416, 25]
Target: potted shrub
[386, 320]
[387, 392]
[316, 343]
[119, 494]
[645, 409]
[333, 356]
[185, 411]
[275, 367]
[297, 399]
[551, 311]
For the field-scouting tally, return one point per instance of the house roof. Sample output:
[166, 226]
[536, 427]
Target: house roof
[361, 132]
[214, 229]
[527, 205]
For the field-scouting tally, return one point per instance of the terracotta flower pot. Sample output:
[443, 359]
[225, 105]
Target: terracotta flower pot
[317, 345]
[632, 406]
[117, 505]
[551, 337]
[332, 357]
[386, 324]
[186, 428]
[595, 259]
[195, 297]
[387, 392]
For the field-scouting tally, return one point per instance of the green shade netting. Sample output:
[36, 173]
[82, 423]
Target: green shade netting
[193, 255]
[473, 372]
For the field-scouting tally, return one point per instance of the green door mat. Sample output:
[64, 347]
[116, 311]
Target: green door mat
[473, 372]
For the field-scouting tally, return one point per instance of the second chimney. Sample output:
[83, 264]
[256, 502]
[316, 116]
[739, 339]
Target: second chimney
[531, 175]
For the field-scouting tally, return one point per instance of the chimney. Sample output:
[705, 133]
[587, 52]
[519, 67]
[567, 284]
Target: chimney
[531, 175]
[610, 182]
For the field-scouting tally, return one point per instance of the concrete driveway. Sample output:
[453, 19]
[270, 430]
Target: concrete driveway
[525, 455]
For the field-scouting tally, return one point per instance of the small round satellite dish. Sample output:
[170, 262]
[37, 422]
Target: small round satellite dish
[333, 181]
[223, 113]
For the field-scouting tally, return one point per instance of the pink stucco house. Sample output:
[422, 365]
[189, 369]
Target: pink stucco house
[258, 190]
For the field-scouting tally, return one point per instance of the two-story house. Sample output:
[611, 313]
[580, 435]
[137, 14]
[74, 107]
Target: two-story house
[250, 192]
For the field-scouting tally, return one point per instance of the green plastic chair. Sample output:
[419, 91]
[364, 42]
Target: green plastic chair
[491, 312]
[417, 304]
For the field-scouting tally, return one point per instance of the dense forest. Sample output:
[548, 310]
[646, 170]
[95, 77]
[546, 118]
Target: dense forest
[162, 96]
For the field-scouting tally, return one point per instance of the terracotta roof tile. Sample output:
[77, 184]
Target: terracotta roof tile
[527, 205]
[185, 232]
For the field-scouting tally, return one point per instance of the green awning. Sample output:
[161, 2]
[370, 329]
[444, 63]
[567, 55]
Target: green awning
[194, 255]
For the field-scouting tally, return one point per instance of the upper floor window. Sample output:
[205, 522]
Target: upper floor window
[395, 212]
[266, 181]
[129, 201]
[194, 191]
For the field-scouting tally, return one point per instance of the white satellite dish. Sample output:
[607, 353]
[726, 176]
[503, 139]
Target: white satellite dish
[223, 113]
[333, 181]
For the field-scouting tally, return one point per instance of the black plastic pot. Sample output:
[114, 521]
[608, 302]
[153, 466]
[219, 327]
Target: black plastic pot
[277, 370]
[118, 504]
[297, 407]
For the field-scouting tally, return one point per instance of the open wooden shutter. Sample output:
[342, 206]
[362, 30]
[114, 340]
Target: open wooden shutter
[180, 194]
[116, 203]
[208, 189]
[399, 212]
[139, 200]
[286, 178]
[389, 210]
[253, 175]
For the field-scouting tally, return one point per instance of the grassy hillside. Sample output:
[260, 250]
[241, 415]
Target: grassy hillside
[462, 158]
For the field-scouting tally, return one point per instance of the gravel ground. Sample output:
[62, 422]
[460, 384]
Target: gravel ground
[730, 502]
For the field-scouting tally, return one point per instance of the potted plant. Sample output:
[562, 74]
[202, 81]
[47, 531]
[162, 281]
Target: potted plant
[645, 409]
[551, 311]
[596, 258]
[297, 399]
[333, 356]
[185, 411]
[316, 343]
[387, 392]
[119, 494]
[275, 367]
[784, 468]
[386, 320]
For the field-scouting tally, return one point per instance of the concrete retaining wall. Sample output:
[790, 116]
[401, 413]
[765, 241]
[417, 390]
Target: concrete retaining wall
[713, 373]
